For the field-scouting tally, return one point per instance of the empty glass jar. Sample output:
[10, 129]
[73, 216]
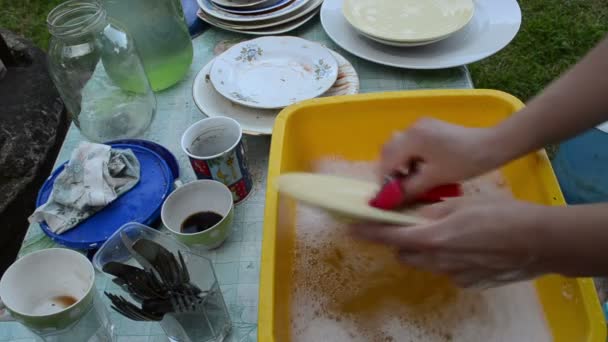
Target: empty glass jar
[98, 72]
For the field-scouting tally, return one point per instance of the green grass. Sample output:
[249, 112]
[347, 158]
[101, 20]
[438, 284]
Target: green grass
[554, 35]
[28, 18]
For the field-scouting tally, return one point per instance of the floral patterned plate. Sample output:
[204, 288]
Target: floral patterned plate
[274, 72]
[257, 121]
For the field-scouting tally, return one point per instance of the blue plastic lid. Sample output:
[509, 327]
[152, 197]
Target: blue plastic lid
[140, 204]
[159, 149]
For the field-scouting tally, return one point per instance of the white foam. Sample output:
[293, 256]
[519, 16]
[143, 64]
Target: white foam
[348, 290]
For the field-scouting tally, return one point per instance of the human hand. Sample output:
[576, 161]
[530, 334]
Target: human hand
[441, 152]
[476, 241]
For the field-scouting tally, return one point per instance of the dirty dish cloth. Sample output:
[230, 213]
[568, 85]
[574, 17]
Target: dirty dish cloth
[94, 177]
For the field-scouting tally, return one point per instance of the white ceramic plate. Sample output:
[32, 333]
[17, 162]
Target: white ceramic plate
[345, 196]
[256, 9]
[493, 26]
[241, 3]
[274, 72]
[260, 121]
[213, 11]
[269, 31]
[408, 20]
[311, 6]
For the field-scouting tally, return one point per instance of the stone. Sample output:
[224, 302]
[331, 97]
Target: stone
[32, 127]
[2, 70]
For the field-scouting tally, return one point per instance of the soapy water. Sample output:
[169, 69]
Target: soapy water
[350, 290]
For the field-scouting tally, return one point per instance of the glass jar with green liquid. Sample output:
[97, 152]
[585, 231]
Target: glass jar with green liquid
[161, 37]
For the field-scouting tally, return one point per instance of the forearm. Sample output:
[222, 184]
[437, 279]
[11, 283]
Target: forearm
[573, 240]
[572, 104]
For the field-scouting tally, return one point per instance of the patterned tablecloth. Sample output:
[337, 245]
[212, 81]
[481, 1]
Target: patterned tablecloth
[237, 262]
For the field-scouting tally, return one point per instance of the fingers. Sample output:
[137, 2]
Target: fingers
[418, 182]
[474, 279]
[462, 274]
[442, 209]
[432, 262]
[408, 149]
[484, 279]
[397, 154]
[414, 238]
[425, 236]
[419, 248]
[462, 271]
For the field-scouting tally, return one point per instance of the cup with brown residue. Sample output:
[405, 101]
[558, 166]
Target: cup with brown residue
[52, 293]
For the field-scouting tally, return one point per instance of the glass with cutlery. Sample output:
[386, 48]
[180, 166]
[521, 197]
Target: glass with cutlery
[159, 279]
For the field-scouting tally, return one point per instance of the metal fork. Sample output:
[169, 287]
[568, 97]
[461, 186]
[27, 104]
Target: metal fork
[176, 303]
[131, 311]
[172, 291]
[138, 282]
[172, 272]
[154, 309]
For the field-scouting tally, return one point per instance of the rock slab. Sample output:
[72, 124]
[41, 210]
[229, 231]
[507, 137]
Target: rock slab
[32, 127]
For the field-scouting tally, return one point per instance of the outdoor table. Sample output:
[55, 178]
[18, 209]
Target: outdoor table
[237, 261]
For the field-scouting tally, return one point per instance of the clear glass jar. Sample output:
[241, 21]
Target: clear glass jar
[160, 32]
[98, 72]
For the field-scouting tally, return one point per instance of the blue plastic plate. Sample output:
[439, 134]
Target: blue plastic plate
[141, 204]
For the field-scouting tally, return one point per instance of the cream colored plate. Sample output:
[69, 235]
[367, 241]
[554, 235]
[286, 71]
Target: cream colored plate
[408, 20]
[494, 25]
[398, 44]
[345, 196]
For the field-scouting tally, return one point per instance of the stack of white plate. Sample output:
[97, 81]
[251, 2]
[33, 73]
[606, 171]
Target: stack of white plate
[408, 22]
[494, 24]
[253, 80]
[258, 17]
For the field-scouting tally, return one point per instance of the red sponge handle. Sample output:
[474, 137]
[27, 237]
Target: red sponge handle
[392, 195]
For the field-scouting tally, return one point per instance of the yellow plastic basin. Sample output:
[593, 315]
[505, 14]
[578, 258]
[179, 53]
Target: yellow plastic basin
[354, 128]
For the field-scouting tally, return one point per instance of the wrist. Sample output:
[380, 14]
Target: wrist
[495, 148]
[542, 242]
[550, 242]
[513, 138]
[575, 240]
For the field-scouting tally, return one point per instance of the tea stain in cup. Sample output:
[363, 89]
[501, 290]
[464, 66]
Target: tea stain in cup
[63, 301]
[200, 221]
[54, 304]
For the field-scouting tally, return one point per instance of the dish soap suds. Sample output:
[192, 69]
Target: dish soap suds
[349, 290]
